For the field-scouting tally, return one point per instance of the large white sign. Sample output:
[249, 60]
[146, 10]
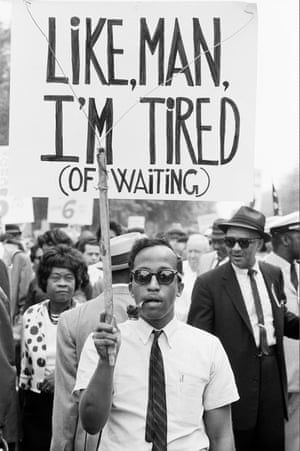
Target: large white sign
[168, 89]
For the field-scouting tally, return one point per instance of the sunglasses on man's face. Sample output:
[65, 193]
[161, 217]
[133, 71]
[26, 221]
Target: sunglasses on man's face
[163, 276]
[244, 243]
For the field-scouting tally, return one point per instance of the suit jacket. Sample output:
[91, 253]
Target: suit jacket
[218, 307]
[7, 366]
[73, 328]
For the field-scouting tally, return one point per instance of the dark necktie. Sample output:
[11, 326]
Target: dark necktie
[156, 421]
[263, 344]
[293, 275]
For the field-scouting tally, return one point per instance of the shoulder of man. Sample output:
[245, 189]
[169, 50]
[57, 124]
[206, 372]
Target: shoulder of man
[269, 267]
[216, 273]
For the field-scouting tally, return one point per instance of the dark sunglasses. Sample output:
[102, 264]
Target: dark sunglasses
[244, 243]
[163, 276]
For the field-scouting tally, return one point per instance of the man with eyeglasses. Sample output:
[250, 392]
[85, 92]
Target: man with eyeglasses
[155, 383]
[243, 303]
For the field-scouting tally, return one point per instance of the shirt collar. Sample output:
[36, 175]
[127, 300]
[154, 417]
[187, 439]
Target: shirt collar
[244, 271]
[145, 329]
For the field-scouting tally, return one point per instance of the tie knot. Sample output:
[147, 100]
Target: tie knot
[251, 272]
[156, 334]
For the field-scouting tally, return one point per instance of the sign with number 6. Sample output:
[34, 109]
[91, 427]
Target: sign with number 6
[70, 210]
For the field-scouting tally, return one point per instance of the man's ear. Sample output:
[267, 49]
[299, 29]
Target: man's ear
[130, 288]
[180, 286]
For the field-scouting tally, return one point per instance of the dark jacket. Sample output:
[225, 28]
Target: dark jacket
[218, 307]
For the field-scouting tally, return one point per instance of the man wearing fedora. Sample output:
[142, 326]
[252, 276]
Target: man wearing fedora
[73, 329]
[243, 303]
[218, 256]
[285, 232]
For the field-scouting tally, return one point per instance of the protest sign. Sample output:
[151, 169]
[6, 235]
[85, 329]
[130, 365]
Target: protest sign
[168, 90]
[136, 222]
[68, 210]
[16, 210]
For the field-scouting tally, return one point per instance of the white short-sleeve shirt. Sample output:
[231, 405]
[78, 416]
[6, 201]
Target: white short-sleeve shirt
[198, 377]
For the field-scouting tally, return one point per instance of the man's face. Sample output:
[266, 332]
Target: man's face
[243, 258]
[156, 300]
[293, 237]
[218, 245]
[196, 246]
[61, 285]
[91, 254]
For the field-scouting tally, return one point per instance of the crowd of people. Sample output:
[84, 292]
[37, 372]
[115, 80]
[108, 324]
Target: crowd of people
[201, 353]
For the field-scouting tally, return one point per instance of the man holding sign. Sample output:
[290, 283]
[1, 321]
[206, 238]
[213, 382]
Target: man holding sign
[170, 385]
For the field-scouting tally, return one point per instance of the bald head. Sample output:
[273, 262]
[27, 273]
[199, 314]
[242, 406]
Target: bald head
[197, 245]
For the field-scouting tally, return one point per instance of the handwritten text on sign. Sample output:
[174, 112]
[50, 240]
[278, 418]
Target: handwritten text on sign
[167, 90]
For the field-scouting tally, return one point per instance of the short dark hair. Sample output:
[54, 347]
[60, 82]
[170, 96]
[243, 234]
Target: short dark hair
[63, 256]
[143, 244]
[54, 237]
[113, 225]
[80, 245]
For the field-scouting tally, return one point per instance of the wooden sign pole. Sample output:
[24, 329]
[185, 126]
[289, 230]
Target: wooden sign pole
[105, 237]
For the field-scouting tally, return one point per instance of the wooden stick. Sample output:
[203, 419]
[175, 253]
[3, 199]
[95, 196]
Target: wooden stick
[105, 238]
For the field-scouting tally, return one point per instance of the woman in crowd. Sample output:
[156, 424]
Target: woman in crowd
[60, 272]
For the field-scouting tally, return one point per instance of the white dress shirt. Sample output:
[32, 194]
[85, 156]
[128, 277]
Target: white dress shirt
[245, 286]
[198, 377]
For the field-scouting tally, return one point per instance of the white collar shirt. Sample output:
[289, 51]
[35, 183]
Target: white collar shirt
[198, 377]
[245, 286]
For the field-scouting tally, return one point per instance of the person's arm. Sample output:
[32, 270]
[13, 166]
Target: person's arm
[219, 429]
[96, 400]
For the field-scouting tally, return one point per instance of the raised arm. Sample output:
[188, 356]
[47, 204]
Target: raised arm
[96, 400]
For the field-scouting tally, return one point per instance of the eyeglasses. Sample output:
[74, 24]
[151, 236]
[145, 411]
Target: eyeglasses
[244, 243]
[163, 276]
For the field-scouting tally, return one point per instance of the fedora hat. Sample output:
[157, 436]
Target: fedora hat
[216, 232]
[248, 218]
[120, 247]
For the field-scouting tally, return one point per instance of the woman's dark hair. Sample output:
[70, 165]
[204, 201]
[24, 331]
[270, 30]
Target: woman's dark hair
[148, 242]
[33, 250]
[113, 225]
[63, 256]
[54, 237]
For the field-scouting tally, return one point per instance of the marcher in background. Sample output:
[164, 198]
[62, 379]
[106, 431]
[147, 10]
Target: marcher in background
[170, 384]
[34, 294]
[196, 247]
[61, 271]
[51, 238]
[218, 256]
[285, 232]
[73, 329]
[8, 404]
[243, 303]
[20, 275]
[90, 249]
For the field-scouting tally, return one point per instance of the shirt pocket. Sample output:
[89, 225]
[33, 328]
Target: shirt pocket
[190, 399]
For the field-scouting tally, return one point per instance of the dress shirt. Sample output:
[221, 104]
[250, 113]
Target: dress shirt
[198, 377]
[245, 286]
